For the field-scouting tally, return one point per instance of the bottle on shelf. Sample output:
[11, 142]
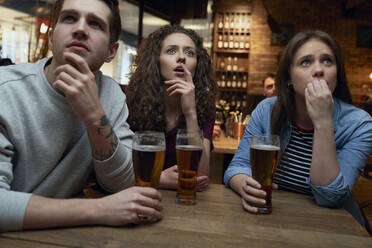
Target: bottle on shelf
[236, 43]
[247, 39]
[220, 42]
[225, 42]
[227, 21]
[228, 82]
[244, 83]
[241, 43]
[218, 82]
[222, 64]
[233, 102]
[235, 64]
[220, 22]
[239, 82]
[232, 21]
[223, 82]
[233, 82]
[244, 101]
[231, 41]
[229, 66]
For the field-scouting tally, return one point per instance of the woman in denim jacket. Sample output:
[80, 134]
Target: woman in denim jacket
[313, 97]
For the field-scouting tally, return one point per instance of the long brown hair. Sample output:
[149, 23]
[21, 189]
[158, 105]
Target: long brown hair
[285, 105]
[145, 93]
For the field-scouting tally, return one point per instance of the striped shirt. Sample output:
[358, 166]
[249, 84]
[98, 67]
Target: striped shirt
[294, 164]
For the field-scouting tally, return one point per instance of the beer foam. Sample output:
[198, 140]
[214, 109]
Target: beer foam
[189, 147]
[265, 147]
[148, 148]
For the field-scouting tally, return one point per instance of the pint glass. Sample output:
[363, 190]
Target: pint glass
[148, 151]
[264, 153]
[189, 150]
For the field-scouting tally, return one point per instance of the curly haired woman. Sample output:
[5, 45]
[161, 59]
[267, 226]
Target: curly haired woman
[172, 87]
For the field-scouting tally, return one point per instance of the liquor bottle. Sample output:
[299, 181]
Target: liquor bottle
[222, 64]
[241, 43]
[248, 23]
[223, 82]
[220, 22]
[225, 42]
[242, 24]
[218, 83]
[220, 42]
[232, 21]
[228, 82]
[247, 39]
[227, 22]
[233, 83]
[231, 41]
[229, 64]
[244, 83]
[244, 101]
[236, 43]
[233, 102]
[239, 82]
[235, 65]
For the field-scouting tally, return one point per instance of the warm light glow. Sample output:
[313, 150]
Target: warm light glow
[132, 51]
[43, 28]
[370, 75]
[154, 21]
[195, 26]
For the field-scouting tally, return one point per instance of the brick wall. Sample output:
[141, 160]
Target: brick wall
[306, 14]
[315, 14]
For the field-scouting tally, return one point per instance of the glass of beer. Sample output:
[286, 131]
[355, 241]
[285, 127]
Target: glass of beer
[264, 157]
[189, 150]
[148, 152]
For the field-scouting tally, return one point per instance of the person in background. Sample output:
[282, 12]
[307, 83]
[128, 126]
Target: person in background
[5, 62]
[172, 87]
[59, 117]
[268, 84]
[325, 141]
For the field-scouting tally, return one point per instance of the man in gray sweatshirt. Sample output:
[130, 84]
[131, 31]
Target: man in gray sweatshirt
[59, 118]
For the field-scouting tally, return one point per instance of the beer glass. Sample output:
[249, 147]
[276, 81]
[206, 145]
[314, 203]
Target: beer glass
[148, 152]
[264, 153]
[189, 150]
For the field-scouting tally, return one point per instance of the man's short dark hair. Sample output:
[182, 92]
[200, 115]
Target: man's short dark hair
[6, 61]
[268, 75]
[115, 20]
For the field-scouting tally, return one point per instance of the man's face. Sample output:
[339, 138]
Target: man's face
[269, 87]
[83, 28]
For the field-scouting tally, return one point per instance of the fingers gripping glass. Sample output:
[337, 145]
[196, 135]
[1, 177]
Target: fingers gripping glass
[189, 150]
[264, 153]
[148, 151]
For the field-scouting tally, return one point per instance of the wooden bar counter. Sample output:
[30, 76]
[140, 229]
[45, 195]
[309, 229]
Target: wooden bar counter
[217, 220]
[225, 145]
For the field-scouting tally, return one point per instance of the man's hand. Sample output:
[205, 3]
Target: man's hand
[76, 81]
[124, 207]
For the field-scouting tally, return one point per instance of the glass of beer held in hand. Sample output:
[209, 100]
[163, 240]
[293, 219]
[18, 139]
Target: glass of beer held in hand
[264, 156]
[189, 150]
[148, 151]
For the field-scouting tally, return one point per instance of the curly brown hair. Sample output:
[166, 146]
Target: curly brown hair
[145, 93]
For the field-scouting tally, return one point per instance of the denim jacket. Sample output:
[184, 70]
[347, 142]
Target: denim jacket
[353, 137]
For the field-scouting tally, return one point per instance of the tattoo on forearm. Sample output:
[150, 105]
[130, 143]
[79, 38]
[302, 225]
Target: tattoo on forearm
[108, 147]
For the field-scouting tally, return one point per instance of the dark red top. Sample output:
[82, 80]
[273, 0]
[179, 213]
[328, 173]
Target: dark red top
[170, 137]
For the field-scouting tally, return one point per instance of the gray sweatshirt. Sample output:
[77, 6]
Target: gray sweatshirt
[44, 147]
